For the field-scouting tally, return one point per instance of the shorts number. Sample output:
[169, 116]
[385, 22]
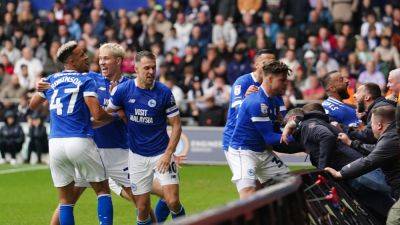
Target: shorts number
[277, 161]
[172, 168]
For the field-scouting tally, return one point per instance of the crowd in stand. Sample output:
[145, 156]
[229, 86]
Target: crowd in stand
[203, 46]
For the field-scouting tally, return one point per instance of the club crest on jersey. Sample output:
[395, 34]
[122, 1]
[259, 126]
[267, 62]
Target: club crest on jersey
[264, 108]
[251, 172]
[151, 103]
[133, 187]
[132, 100]
[237, 89]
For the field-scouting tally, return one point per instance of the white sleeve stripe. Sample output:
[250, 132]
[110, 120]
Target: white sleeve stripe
[89, 93]
[173, 114]
[260, 119]
[236, 103]
[112, 106]
[282, 108]
[41, 94]
[171, 109]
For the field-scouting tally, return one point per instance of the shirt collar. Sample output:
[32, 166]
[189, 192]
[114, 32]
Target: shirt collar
[135, 80]
[265, 93]
[334, 100]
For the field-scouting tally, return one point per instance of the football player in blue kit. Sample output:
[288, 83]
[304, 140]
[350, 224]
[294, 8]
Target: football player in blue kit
[72, 101]
[148, 105]
[250, 154]
[243, 86]
[336, 88]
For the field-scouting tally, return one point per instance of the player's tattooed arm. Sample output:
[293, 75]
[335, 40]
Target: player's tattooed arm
[165, 160]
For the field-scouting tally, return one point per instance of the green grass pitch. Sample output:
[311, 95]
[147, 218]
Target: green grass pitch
[29, 198]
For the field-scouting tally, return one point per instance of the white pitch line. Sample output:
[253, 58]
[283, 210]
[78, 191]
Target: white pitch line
[24, 169]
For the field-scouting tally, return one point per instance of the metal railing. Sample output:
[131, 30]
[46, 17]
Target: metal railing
[279, 204]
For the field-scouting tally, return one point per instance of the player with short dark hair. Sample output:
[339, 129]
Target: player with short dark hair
[250, 153]
[73, 99]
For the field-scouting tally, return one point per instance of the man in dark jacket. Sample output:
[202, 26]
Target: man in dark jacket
[319, 138]
[368, 97]
[38, 138]
[385, 155]
[11, 137]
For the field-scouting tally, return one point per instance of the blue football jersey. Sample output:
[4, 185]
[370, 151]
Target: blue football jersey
[147, 112]
[236, 98]
[112, 135]
[341, 112]
[255, 129]
[69, 115]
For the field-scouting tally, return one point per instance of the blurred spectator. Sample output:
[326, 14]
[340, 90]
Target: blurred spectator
[316, 91]
[34, 66]
[246, 28]
[254, 41]
[290, 28]
[151, 37]
[73, 27]
[220, 91]
[205, 25]
[312, 45]
[291, 61]
[161, 24]
[8, 25]
[195, 97]
[179, 96]
[224, 30]
[298, 9]
[19, 39]
[313, 25]
[238, 66]
[309, 62]
[341, 54]
[98, 24]
[26, 23]
[128, 63]
[173, 41]
[354, 65]
[372, 38]
[52, 64]
[183, 28]
[104, 13]
[347, 32]
[342, 11]
[212, 114]
[194, 8]
[63, 35]
[10, 51]
[226, 8]
[371, 22]
[11, 93]
[8, 66]
[271, 28]
[388, 52]
[326, 40]
[363, 54]
[23, 108]
[4, 78]
[11, 137]
[38, 142]
[38, 51]
[171, 10]
[372, 75]
[329, 64]
[292, 94]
